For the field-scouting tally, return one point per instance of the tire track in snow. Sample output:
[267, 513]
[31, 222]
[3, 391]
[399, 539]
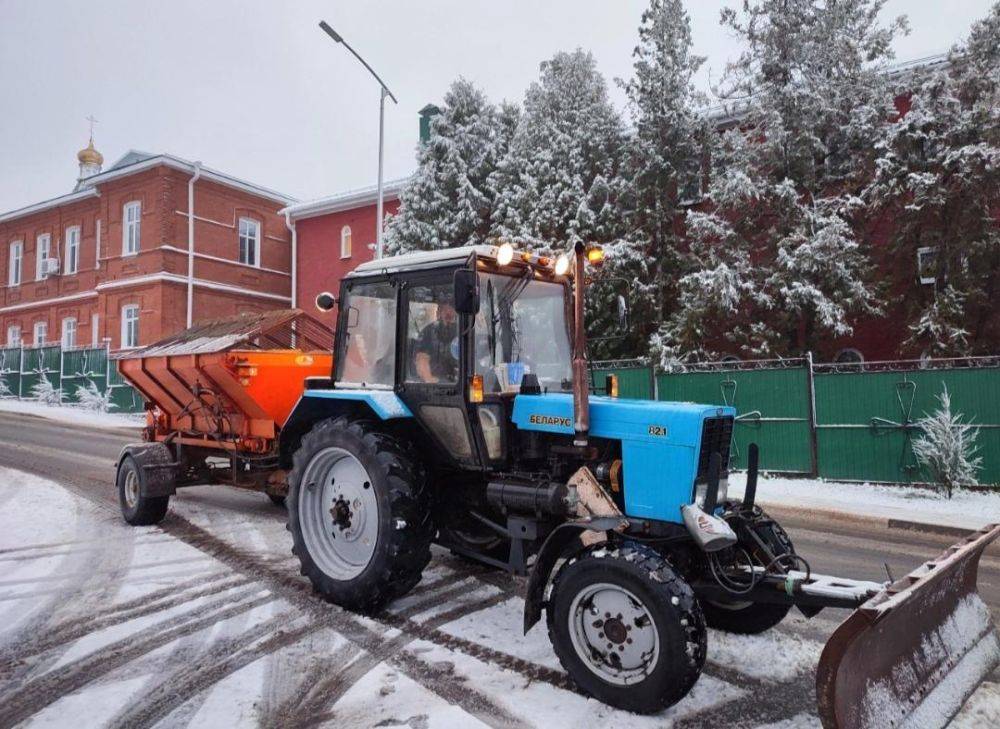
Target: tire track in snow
[72, 630]
[224, 658]
[22, 703]
[93, 580]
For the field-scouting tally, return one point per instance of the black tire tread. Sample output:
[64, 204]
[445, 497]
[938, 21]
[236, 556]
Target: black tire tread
[149, 510]
[409, 497]
[647, 564]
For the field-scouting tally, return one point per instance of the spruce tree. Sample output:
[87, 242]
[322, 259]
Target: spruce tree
[451, 198]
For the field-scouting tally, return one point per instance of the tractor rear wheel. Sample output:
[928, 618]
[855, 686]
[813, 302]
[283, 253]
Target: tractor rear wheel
[750, 618]
[626, 627]
[359, 514]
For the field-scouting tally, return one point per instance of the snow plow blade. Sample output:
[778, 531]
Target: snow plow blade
[913, 653]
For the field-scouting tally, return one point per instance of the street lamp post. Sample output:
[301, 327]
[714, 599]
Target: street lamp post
[381, 126]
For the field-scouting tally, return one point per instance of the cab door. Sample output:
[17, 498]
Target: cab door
[432, 366]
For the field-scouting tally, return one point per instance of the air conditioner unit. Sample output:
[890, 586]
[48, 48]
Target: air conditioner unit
[50, 266]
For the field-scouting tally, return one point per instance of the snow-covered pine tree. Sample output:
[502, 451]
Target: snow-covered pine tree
[451, 198]
[45, 392]
[778, 250]
[559, 183]
[938, 179]
[947, 447]
[90, 397]
[662, 166]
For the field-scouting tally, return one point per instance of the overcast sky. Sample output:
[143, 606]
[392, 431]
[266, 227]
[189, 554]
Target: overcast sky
[255, 89]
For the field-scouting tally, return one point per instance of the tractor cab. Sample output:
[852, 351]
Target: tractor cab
[454, 335]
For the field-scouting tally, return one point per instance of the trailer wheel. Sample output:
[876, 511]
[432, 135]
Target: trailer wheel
[626, 627]
[137, 509]
[750, 618]
[359, 513]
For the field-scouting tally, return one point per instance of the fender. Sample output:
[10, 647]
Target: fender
[321, 403]
[158, 466]
[551, 550]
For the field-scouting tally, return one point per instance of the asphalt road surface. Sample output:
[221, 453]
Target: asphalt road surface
[82, 460]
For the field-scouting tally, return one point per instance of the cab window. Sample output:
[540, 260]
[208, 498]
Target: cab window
[432, 335]
[367, 353]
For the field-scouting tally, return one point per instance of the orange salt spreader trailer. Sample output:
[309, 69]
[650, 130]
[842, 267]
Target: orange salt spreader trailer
[219, 392]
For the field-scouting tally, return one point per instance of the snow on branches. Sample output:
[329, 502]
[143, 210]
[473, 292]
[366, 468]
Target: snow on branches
[90, 397]
[947, 447]
[45, 392]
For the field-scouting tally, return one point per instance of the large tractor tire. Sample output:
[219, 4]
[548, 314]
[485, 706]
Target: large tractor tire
[750, 618]
[138, 510]
[359, 514]
[626, 627]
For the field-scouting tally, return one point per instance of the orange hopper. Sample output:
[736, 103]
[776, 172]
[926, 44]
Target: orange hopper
[229, 383]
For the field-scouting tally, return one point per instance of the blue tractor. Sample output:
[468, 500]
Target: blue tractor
[459, 413]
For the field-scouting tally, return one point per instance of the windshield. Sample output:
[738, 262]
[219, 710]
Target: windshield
[521, 327]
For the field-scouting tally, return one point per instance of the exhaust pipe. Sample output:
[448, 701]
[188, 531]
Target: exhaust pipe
[581, 376]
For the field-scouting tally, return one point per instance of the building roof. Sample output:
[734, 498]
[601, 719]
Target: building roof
[345, 200]
[133, 162]
[727, 113]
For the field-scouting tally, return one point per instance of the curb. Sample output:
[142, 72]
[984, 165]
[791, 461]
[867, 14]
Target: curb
[883, 522]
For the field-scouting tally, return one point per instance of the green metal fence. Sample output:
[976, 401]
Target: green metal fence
[846, 422]
[22, 369]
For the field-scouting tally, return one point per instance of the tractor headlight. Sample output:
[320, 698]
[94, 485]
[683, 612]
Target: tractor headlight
[562, 265]
[506, 254]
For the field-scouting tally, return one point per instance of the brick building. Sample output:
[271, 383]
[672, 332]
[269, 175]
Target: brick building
[110, 260]
[333, 235]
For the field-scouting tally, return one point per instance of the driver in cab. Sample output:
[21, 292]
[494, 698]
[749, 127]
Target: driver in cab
[436, 358]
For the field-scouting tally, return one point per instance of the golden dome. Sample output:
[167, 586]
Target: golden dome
[90, 156]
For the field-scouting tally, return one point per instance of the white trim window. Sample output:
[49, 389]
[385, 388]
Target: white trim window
[72, 262]
[43, 250]
[14, 335]
[40, 333]
[131, 227]
[130, 326]
[69, 332]
[927, 264]
[345, 242]
[14, 263]
[249, 242]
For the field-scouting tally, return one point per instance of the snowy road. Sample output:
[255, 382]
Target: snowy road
[205, 621]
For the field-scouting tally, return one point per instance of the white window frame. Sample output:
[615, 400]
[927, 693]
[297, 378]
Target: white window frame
[921, 252]
[68, 332]
[248, 231]
[130, 326]
[15, 263]
[346, 242]
[39, 333]
[72, 262]
[14, 335]
[131, 228]
[43, 245]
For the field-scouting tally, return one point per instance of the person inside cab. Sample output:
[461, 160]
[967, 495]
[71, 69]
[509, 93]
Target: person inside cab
[436, 358]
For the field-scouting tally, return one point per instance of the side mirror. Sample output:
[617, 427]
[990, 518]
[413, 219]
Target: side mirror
[622, 313]
[325, 301]
[466, 291]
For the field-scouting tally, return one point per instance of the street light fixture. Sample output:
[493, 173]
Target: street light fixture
[381, 125]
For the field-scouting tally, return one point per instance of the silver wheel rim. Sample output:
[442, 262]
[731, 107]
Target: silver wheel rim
[338, 513]
[131, 488]
[613, 633]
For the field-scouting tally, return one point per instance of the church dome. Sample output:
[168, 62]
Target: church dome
[90, 156]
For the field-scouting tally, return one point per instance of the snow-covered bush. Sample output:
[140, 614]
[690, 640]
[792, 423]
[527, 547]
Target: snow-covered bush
[45, 392]
[90, 397]
[947, 447]
[5, 390]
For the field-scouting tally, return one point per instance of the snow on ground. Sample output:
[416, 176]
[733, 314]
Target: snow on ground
[74, 415]
[135, 627]
[966, 509]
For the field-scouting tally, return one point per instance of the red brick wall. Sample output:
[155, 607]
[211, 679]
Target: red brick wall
[164, 227]
[320, 267]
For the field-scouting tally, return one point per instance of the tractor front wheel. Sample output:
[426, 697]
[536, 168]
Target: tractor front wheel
[359, 514]
[626, 627]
